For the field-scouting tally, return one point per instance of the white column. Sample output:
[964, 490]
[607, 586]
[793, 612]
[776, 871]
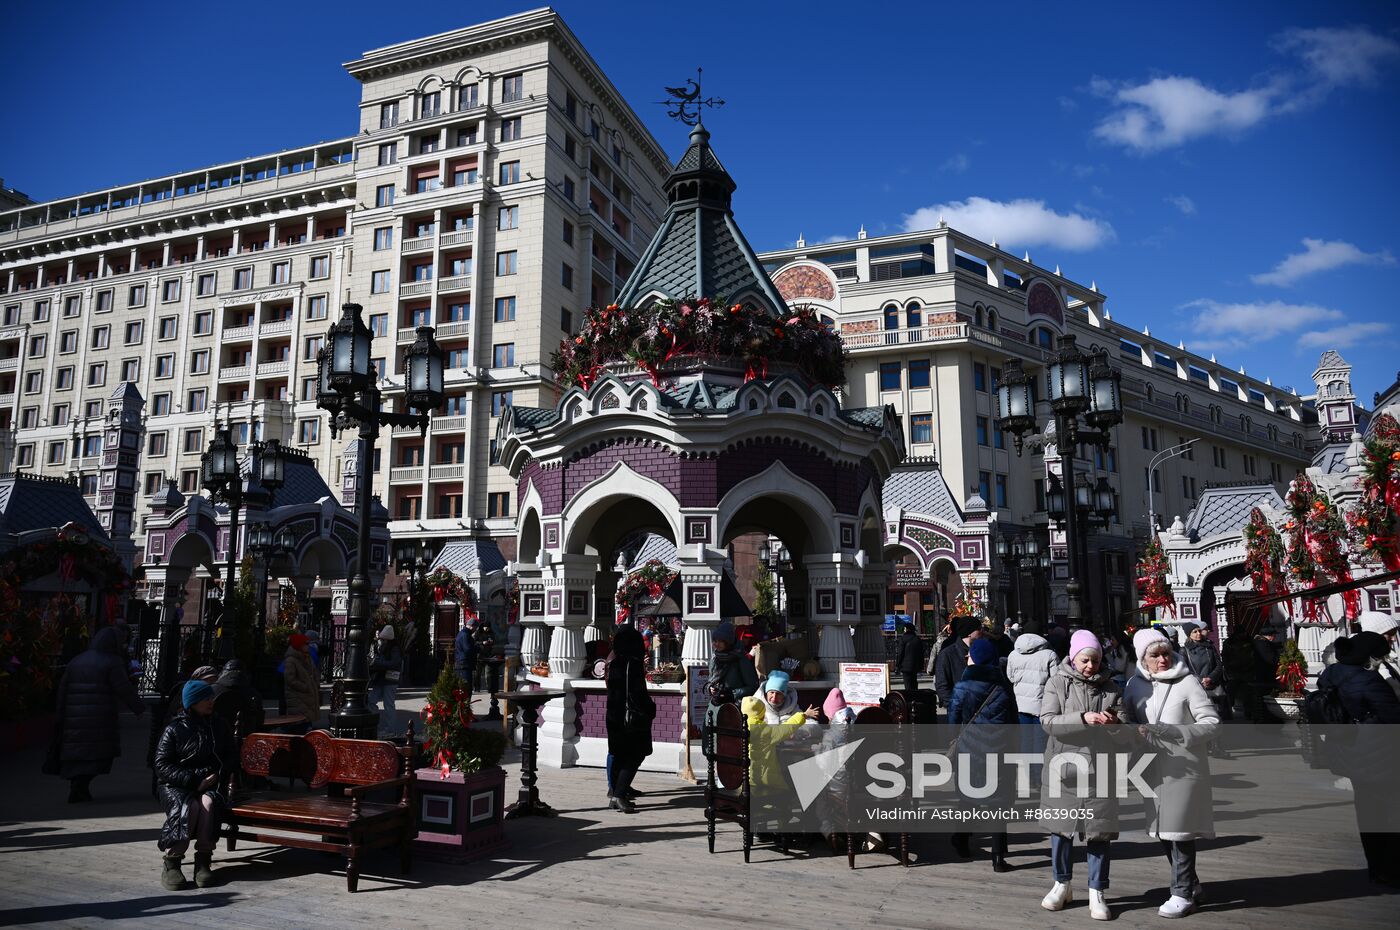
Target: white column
[833, 585]
[869, 638]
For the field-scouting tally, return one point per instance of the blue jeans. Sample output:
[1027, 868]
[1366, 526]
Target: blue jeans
[1061, 860]
[610, 774]
[388, 719]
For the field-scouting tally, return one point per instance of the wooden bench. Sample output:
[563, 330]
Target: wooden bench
[727, 789]
[342, 820]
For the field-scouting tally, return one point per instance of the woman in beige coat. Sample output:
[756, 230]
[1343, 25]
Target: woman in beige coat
[303, 687]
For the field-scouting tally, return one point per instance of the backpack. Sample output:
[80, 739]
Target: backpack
[1323, 708]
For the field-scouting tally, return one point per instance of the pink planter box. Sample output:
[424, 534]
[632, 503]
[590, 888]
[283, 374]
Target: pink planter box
[460, 816]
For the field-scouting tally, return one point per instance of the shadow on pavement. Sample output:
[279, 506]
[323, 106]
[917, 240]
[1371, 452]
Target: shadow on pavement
[86, 913]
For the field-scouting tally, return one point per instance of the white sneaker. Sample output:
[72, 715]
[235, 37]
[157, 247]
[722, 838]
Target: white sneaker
[1059, 896]
[1177, 906]
[1098, 909]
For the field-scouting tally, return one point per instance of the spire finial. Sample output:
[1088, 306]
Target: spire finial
[684, 103]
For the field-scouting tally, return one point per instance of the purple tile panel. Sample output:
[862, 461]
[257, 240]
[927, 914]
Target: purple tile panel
[590, 709]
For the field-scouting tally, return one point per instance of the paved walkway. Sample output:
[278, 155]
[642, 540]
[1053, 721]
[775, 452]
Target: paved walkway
[96, 864]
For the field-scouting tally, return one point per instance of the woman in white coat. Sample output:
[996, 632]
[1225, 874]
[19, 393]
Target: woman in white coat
[1177, 720]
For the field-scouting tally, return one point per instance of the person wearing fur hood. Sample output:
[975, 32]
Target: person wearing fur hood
[1177, 720]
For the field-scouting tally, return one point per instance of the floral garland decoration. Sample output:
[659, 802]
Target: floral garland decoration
[1316, 532]
[969, 601]
[513, 601]
[1153, 590]
[649, 581]
[1372, 520]
[700, 326]
[1263, 555]
[449, 587]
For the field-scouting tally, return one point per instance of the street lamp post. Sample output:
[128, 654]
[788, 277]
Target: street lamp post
[223, 479]
[345, 386]
[413, 557]
[267, 546]
[1077, 386]
[775, 558]
[1017, 552]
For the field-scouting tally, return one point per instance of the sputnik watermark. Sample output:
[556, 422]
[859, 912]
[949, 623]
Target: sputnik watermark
[1117, 775]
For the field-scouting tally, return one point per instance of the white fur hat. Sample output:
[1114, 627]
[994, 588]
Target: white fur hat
[1374, 621]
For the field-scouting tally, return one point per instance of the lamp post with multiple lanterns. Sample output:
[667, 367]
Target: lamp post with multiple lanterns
[1022, 550]
[346, 388]
[1077, 385]
[267, 545]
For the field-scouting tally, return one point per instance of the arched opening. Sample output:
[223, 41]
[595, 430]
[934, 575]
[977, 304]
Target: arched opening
[911, 593]
[599, 529]
[528, 543]
[914, 315]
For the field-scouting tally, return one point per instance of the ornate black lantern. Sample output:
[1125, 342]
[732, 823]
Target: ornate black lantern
[286, 540]
[260, 538]
[1015, 405]
[326, 396]
[1045, 561]
[1105, 393]
[219, 470]
[271, 464]
[1103, 499]
[1030, 545]
[348, 343]
[1067, 378]
[1055, 498]
[422, 365]
[1003, 549]
[1083, 494]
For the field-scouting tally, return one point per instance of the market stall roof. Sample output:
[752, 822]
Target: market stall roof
[34, 502]
[731, 603]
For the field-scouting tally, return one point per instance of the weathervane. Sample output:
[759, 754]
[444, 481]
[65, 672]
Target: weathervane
[685, 103]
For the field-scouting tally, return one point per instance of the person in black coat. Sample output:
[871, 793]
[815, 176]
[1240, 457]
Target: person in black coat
[86, 735]
[952, 658]
[243, 706]
[464, 654]
[1369, 758]
[194, 756]
[909, 659]
[984, 697]
[629, 735]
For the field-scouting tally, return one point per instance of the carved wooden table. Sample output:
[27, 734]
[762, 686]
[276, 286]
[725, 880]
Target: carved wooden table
[528, 804]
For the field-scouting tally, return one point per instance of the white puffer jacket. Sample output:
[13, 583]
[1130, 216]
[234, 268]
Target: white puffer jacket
[1029, 667]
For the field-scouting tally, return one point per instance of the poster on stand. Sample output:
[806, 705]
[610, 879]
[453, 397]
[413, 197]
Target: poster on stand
[697, 696]
[865, 685]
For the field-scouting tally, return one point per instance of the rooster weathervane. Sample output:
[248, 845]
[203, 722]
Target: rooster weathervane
[685, 103]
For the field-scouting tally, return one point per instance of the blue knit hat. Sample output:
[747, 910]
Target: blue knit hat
[983, 652]
[777, 681]
[194, 692]
[724, 633]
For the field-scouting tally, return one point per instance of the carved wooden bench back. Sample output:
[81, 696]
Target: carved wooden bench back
[320, 759]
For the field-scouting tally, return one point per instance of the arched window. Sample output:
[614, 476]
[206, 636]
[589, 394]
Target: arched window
[991, 319]
[1151, 393]
[1217, 416]
[913, 315]
[977, 318]
[1183, 403]
[892, 316]
[1044, 337]
[787, 401]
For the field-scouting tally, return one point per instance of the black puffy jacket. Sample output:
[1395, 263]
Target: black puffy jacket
[89, 697]
[909, 657]
[1371, 755]
[190, 750]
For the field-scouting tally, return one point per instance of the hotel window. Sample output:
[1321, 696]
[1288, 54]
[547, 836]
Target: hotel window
[11, 317]
[92, 445]
[104, 302]
[466, 137]
[204, 323]
[384, 195]
[570, 147]
[379, 282]
[495, 453]
[137, 296]
[430, 104]
[1001, 490]
[60, 415]
[24, 456]
[197, 400]
[460, 267]
[569, 189]
[193, 440]
[498, 504]
[984, 485]
[160, 405]
[154, 481]
[388, 153]
[282, 273]
[383, 238]
[459, 358]
[919, 373]
[467, 96]
[62, 378]
[505, 309]
[33, 382]
[566, 319]
[455, 405]
[72, 305]
[509, 173]
[38, 345]
[891, 317]
[311, 345]
[505, 264]
[420, 316]
[510, 129]
[155, 446]
[914, 316]
[41, 311]
[131, 369]
[423, 271]
[170, 291]
[92, 408]
[134, 332]
[982, 431]
[1149, 439]
[459, 312]
[508, 218]
[377, 365]
[165, 366]
[309, 432]
[512, 88]
[169, 327]
[503, 355]
[423, 228]
[388, 115]
[979, 377]
[1188, 487]
[189, 481]
[568, 233]
[889, 376]
[921, 427]
[379, 324]
[316, 308]
[449, 505]
[57, 451]
[566, 276]
[207, 283]
[199, 362]
[29, 418]
[242, 279]
[320, 266]
[998, 437]
[500, 400]
[97, 374]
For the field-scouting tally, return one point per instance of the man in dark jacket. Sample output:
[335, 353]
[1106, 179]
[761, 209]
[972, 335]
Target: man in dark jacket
[464, 654]
[87, 736]
[909, 659]
[1369, 758]
[952, 658]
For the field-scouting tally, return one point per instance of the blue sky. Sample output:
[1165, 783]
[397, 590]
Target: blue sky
[1226, 172]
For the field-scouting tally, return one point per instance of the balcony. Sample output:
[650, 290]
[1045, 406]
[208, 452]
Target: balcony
[237, 333]
[422, 243]
[445, 472]
[414, 288]
[461, 237]
[447, 424]
[455, 283]
[452, 330]
[235, 373]
[408, 333]
[274, 369]
[9, 364]
[7, 400]
[406, 474]
[878, 339]
[276, 327]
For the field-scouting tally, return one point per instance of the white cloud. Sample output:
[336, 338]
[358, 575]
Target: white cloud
[956, 163]
[1342, 337]
[1320, 255]
[1021, 223]
[1170, 111]
[1236, 325]
[1183, 203]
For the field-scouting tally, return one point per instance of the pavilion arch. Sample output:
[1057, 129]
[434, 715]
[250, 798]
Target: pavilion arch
[322, 558]
[799, 496]
[600, 530]
[529, 536]
[192, 550]
[620, 483]
[894, 553]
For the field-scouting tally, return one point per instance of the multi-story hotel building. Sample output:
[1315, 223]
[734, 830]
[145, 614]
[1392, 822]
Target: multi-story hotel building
[495, 185]
[929, 318]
